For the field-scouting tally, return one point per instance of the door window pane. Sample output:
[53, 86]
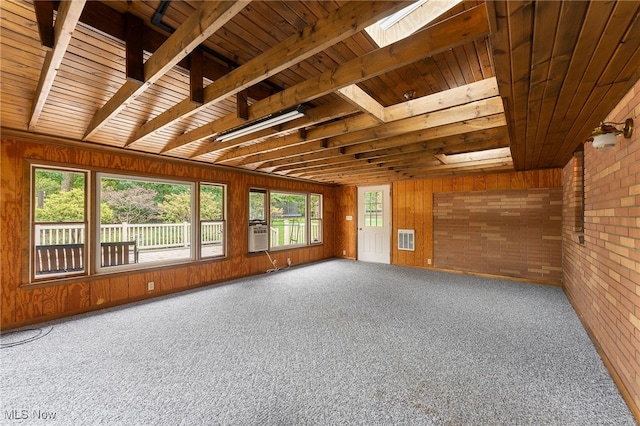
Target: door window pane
[373, 208]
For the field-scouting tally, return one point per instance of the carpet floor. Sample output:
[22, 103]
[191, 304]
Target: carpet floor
[331, 343]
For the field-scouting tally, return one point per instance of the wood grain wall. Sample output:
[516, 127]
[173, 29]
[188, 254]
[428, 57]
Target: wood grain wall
[413, 205]
[24, 304]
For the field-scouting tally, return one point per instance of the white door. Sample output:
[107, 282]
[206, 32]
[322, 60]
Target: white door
[374, 224]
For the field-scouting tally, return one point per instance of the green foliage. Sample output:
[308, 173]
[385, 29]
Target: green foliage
[134, 204]
[176, 208]
[211, 202]
[62, 207]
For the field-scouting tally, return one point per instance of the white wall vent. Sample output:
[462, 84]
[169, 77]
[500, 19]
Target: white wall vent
[258, 238]
[406, 239]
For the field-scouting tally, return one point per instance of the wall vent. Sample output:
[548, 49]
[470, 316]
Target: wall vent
[406, 238]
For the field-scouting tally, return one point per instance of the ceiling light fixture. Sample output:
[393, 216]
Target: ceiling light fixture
[605, 135]
[263, 123]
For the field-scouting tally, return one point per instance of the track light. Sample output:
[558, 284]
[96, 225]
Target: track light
[263, 123]
[605, 135]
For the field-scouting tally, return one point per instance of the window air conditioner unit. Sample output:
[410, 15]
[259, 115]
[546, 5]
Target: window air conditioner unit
[258, 238]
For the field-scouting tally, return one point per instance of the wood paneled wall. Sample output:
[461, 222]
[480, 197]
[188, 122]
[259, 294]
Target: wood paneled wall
[346, 222]
[413, 205]
[22, 305]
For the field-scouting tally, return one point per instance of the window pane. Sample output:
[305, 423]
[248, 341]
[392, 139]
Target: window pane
[144, 221]
[315, 204]
[59, 196]
[288, 219]
[257, 201]
[373, 208]
[212, 220]
[59, 229]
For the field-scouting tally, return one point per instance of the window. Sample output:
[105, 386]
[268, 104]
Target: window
[212, 220]
[257, 203]
[288, 219]
[143, 221]
[59, 222]
[136, 221]
[315, 212]
[373, 208]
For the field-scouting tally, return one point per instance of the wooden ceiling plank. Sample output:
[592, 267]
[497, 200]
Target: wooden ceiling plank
[455, 31]
[545, 50]
[571, 25]
[66, 20]
[612, 84]
[206, 20]
[520, 27]
[345, 22]
[603, 96]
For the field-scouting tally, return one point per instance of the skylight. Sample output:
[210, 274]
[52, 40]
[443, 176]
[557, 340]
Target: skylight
[405, 22]
[390, 20]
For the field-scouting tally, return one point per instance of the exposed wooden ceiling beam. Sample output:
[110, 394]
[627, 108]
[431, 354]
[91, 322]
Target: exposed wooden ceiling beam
[481, 123]
[346, 125]
[457, 30]
[346, 21]
[411, 154]
[313, 116]
[439, 132]
[362, 100]
[456, 118]
[449, 98]
[66, 20]
[451, 145]
[206, 20]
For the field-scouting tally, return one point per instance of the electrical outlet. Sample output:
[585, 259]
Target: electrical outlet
[344, 252]
[151, 285]
[428, 261]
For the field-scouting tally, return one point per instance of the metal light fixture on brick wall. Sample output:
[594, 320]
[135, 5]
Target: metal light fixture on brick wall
[605, 135]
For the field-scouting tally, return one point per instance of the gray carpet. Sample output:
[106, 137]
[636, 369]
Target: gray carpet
[332, 343]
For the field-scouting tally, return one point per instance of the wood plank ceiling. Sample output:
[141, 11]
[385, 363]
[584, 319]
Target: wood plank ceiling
[472, 89]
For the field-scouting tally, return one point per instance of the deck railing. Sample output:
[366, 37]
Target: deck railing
[164, 235]
[147, 236]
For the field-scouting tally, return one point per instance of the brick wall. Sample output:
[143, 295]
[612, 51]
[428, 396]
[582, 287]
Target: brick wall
[513, 233]
[602, 275]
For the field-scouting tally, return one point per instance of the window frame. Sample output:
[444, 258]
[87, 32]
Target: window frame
[319, 219]
[306, 220]
[199, 253]
[194, 234]
[33, 224]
